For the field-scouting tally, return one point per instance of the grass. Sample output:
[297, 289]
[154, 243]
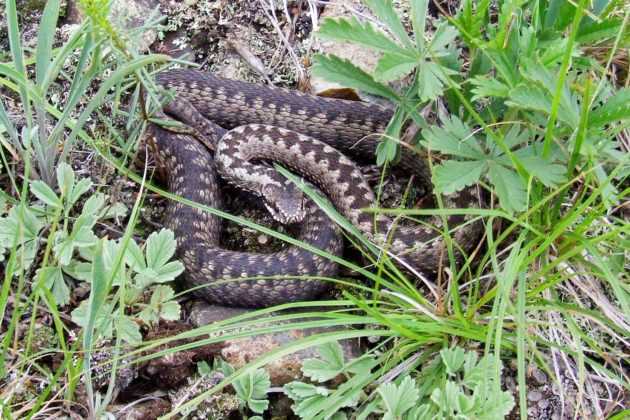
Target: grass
[533, 115]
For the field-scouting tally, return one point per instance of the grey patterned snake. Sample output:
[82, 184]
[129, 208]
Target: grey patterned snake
[260, 119]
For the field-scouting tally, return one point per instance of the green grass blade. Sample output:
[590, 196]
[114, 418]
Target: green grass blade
[45, 38]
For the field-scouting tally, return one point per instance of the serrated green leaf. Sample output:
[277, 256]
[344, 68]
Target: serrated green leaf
[160, 248]
[93, 205]
[347, 74]
[352, 30]
[309, 407]
[170, 311]
[452, 175]
[329, 366]
[384, 10]
[149, 315]
[454, 138]
[393, 66]
[169, 272]
[418, 20]
[453, 359]
[550, 174]
[22, 222]
[616, 108]
[431, 80]
[361, 365]
[161, 294]
[52, 279]
[135, 258]
[443, 36]
[398, 399]
[487, 87]
[530, 97]
[509, 188]
[81, 236]
[252, 388]
[128, 330]
[161, 305]
[104, 321]
[299, 390]
[116, 210]
[78, 190]
[203, 368]
[65, 179]
[43, 192]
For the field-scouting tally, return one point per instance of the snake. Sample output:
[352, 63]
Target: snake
[242, 124]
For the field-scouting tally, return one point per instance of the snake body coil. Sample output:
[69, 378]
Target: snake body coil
[204, 100]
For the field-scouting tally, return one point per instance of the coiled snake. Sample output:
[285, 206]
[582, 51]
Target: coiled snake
[261, 119]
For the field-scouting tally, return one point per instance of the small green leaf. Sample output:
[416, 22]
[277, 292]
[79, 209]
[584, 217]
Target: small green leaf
[52, 279]
[161, 306]
[432, 78]
[488, 87]
[329, 366]
[443, 36]
[116, 210]
[351, 30]
[203, 368]
[65, 179]
[104, 320]
[550, 174]
[384, 10]
[398, 399]
[394, 66]
[309, 399]
[93, 205]
[452, 176]
[454, 138]
[299, 390]
[509, 188]
[453, 359]
[160, 247]
[79, 189]
[616, 108]
[128, 330]
[252, 388]
[42, 191]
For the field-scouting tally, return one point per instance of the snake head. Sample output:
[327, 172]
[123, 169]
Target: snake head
[286, 203]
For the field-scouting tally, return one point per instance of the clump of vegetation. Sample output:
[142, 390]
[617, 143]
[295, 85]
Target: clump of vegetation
[528, 100]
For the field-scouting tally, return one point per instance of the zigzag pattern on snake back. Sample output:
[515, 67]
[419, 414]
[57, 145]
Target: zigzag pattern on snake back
[203, 99]
[190, 173]
[420, 248]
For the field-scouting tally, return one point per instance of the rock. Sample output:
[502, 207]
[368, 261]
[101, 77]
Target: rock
[534, 396]
[242, 351]
[539, 376]
[145, 410]
[125, 14]
[176, 45]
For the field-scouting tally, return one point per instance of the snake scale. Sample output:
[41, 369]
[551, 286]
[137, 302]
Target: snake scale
[263, 124]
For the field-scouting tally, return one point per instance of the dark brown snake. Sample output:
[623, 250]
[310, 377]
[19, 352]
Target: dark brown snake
[261, 119]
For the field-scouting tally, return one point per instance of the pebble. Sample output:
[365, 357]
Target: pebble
[534, 396]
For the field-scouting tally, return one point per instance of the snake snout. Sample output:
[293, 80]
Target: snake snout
[285, 203]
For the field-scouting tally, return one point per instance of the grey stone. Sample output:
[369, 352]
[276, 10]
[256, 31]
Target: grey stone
[534, 396]
[239, 352]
